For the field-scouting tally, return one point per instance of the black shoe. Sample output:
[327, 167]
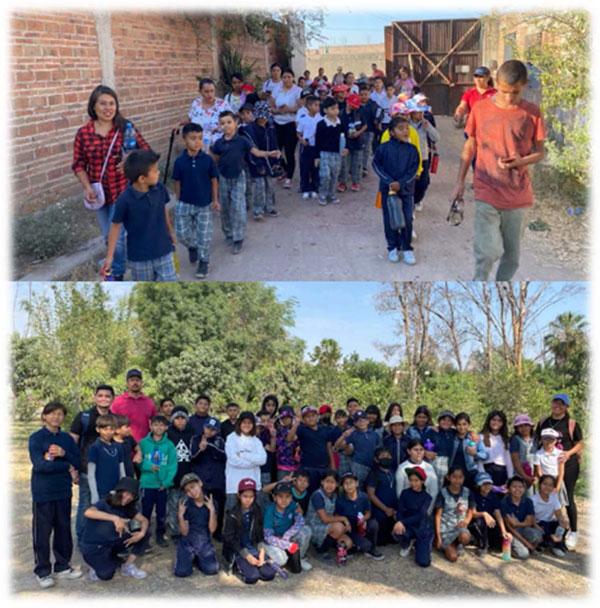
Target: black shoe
[148, 549]
[272, 213]
[162, 542]
[202, 270]
[374, 554]
[237, 247]
[193, 254]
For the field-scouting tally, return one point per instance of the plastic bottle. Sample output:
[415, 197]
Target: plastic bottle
[429, 445]
[361, 524]
[156, 457]
[342, 143]
[342, 554]
[558, 534]
[129, 138]
[505, 549]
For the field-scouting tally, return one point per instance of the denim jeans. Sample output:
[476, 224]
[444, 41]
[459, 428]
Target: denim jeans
[104, 216]
[398, 239]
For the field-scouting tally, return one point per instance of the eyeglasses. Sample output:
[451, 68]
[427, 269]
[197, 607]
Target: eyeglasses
[456, 213]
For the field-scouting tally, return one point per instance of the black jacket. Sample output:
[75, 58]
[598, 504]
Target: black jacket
[233, 530]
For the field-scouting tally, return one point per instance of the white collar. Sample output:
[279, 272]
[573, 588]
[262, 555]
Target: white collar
[332, 124]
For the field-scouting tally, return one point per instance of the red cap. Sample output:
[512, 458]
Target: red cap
[248, 87]
[416, 471]
[324, 409]
[340, 88]
[353, 100]
[247, 484]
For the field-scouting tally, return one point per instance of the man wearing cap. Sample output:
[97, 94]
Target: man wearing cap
[315, 445]
[571, 441]
[135, 405]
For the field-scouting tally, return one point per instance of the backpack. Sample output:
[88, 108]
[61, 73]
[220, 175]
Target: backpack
[572, 423]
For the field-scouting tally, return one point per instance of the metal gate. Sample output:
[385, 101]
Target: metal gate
[441, 55]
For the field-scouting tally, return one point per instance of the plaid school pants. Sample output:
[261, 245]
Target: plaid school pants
[194, 227]
[158, 269]
[264, 195]
[232, 198]
[329, 169]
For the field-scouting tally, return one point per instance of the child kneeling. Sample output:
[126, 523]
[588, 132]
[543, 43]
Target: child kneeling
[243, 544]
[285, 532]
[107, 532]
[197, 520]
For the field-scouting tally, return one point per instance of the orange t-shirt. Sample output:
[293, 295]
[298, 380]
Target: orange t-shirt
[500, 133]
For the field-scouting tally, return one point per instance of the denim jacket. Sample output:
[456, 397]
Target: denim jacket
[471, 461]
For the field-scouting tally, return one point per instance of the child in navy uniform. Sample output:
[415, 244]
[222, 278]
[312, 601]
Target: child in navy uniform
[228, 426]
[128, 445]
[107, 533]
[396, 441]
[197, 521]
[208, 463]
[369, 116]
[354, 128]
[229, 152]
[142, 209]
[105, 459]
[196, 183]
[355, 506]
[180, 435]
[412, 520]
[55, 460]
[342, 460]
[381, 490]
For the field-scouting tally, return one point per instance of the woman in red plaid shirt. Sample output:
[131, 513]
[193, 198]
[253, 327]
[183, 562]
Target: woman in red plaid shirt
[92, 144]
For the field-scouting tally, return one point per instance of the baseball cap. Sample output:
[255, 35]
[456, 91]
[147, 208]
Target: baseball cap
[128, 484]
[347, 475]
[523, 419]
[213, 423]
[285, 411]
[339, 88]
[307, 409]
[246, 484]
[324, 409]
[353, 100]
[418, 471]
[282, 487]
[481, 71]
[188, 478]
[134, 372]
[360, 414]
[563, 397]
[550, 433]
[482, 478]
[179, 412]
[396, 420]
[445, 413]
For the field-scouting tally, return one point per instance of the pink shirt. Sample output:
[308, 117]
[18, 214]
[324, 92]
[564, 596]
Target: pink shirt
[139, 411]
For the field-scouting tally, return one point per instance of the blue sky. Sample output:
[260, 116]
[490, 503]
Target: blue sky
[344, 311]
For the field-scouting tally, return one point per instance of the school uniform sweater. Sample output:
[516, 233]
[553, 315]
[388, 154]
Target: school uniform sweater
[327, 136]
[209, 464]
[396, 161]
[431, 484]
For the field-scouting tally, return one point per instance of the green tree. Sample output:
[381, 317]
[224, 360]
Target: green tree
[566, 340]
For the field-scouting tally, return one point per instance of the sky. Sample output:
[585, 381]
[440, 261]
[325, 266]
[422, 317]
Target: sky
[344, 311]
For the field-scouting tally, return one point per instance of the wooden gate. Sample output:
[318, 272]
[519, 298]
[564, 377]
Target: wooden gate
[441, 55]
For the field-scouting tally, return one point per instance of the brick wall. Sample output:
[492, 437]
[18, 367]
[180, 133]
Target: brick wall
[55, 64]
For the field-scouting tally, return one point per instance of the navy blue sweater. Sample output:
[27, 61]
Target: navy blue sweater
[412, 508]
[209, 464]
[50, 479]
[353, 119]
[396, 161]
[397, 447]
[264, 138]
[327, 139]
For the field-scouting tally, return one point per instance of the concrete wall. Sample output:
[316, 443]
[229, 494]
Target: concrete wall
[352, 58]
[57, 58]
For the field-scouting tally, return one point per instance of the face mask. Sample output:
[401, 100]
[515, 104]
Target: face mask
[386, 463]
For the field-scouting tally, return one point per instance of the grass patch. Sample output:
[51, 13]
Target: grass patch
[51, 232]
[557, 188]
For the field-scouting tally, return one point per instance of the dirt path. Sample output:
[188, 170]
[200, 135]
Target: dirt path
[346, 242]
[544, 575]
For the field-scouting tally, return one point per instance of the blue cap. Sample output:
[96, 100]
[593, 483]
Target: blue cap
[563, 397]
[482, 478]
[134, 372]
[360, 414]
[213, 423]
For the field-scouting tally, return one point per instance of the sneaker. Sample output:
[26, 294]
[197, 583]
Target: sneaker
[341, 188]
[306, 566]
[237, 247]
[409, 258]
[374, 554]
[305, 196]
[133, 571]
[69, 573]
[228, 240]
[365, 173]
[558, 552]
[322, 201]
[418, 206]
[481, 551]
[335, 200]
[571, 540]
[148, 549]
[414, 235]
[202, 270]
[460, 548]
[406, 550]
[281, 177]
[355, 187]
[92, 575]
[258, 218]
[45, 581]
[313, 195]
[272, 213]
[161, 541]
[393, 255]
[193, 254]
[287, 183]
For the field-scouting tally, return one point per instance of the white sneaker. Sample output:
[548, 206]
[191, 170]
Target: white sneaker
[558, 552]
[69, 573]
[287, 183]
[305, 196]
[393, 255]
[45, 581]
[92, 575]
[405, 552]
[322, 201]
[133, 571]
[313, 195]
[418, 206]
[305, 565]
[409, 257]
[571, 540]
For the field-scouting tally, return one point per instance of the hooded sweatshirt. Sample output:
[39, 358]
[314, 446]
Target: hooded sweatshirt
[182, 440]
[157, 452]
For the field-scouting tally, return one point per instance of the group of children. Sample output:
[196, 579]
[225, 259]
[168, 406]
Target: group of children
[270, 485]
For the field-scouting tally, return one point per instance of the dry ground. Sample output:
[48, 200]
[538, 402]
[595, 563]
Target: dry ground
[544, 575]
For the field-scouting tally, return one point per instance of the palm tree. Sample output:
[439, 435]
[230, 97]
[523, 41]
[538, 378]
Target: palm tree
[566, 338]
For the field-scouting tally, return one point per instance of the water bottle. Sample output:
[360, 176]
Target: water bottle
[429, 445]
[505, 550]
[156, 457]
[361, 524]
[342, 143]
[558, 534]
[129, 139]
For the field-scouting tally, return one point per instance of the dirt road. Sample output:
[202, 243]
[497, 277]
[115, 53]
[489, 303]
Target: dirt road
[346, 242]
